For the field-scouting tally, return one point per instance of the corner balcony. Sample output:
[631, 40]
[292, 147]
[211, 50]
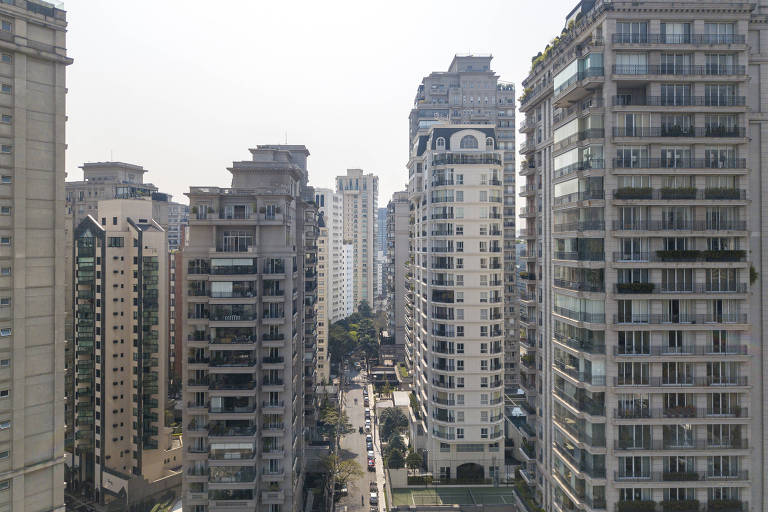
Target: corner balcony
[578, 86]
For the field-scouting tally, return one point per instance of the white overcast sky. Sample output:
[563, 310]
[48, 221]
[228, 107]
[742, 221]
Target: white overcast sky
[186, 87]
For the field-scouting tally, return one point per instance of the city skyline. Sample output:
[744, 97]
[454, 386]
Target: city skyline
[248, 109]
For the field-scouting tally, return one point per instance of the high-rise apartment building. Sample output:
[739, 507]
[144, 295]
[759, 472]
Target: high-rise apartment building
[32, 244]
[348, 285]
[178, 220]
[123, 452]
[471, 93]
[361, 195]
[330, 268]
[381, 257]
[455, 305]
[398, 254]
[249, 269]
[645, 258]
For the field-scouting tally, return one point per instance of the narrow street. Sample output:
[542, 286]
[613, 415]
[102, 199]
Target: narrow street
[353, 445]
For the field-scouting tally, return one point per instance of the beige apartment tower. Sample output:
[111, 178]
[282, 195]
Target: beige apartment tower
[124, 454]
[469, 92]
[645, 258]
[398, 254]
[361, 195]
[455, 303]
[32, 244]
[249, 335]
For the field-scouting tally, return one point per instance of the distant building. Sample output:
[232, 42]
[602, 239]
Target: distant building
[361, 193]
[398, 264]
[178, 220]
[349, 278]
[381, 257]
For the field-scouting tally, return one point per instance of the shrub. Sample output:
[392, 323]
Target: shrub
[634, 287]
[633, 193]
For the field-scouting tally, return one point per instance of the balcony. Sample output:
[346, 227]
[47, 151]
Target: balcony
[593, 163]
[682, 39]
[580, 316]
[576, 197]
[680, 131]
[576, 86]
[680, 256]
[673, 70]
[678, 101]
[680, 318]
[466, 159]
[680, 413]
[673, 194]
[574, 373]
[646, 288]
[678, 445]
[681, 381]
[680, 225]
[684, 350]
[578, 256]
[688, 476]
[222, 431]
[679, 163]
[579, 286]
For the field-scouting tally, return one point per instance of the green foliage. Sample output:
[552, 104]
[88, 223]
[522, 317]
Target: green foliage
[391, 420]
[752, 274]
[356, 333]
[414, 461]
[395, 443]
[637, 506]
[395, 460]
[333, 423]
[339, 471]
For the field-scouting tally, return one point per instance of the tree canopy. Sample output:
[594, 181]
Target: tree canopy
[391, 420]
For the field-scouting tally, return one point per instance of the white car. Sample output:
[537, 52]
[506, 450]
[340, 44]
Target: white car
[370, 454]
[374, 499]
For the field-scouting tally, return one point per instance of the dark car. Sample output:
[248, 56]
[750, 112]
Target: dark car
[369, 445]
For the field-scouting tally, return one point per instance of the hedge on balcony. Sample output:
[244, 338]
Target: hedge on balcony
[724, 255]
[722, 193]
[678, 193]
[633, 193]
[634, 287]
[637, 506]
[683, 476]
[678, 255]
[680, 505]
[725, 505]
[420, 480]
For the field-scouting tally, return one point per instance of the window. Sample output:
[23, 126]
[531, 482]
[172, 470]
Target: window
[6, 331]
[483, 382]
[459, 430]
[115, 241]
[468, 142]
[4, 454]
[6, 88]
[5, 210]
[5, 485]
[6, 149]
[5, 363]
[6, 58]
[5, 301]
[484, 433]
[489, 143]
[5, 425]
[6, 26]
[6, 119]
[6, 179]
[440, 143]
[3, 393]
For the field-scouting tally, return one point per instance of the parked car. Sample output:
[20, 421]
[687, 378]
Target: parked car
[370, 454]
[367, 428]
[341, 489]
[373, 486]
[369, 438]
[366, 402]
[371, 465]
[369, 445]
[374, 499]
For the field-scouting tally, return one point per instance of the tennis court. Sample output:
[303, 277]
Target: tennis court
[454, 496]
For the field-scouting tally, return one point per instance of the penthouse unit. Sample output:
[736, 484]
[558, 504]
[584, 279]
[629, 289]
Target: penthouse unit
[642, 354]
[249, 334]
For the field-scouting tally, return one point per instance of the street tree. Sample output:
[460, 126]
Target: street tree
[339, 471]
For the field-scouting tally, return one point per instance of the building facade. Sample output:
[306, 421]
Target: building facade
[32, 244]
[644, 255]
[330, 268]
[249, 335]
[381, 257]
[471, 93]
[455, 305]
[123, 452]
[348, 287]
[398, 252]
[178, 220]
[361, 195]
[113, 180]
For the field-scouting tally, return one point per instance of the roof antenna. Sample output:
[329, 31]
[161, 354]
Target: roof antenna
[111, 155]
[286, 137]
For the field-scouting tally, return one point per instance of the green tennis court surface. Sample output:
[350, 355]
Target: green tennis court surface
[453, 496]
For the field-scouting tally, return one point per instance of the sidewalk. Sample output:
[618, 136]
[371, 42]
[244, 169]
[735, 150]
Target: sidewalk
[380, 479]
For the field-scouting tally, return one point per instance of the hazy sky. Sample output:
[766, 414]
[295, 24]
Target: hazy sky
[185, 88]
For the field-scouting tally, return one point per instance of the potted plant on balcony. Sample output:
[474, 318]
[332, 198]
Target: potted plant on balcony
[634, 287]
[733, 255]
[725, 505]
[678, 255]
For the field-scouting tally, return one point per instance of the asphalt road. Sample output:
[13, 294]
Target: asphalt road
[353, 446]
